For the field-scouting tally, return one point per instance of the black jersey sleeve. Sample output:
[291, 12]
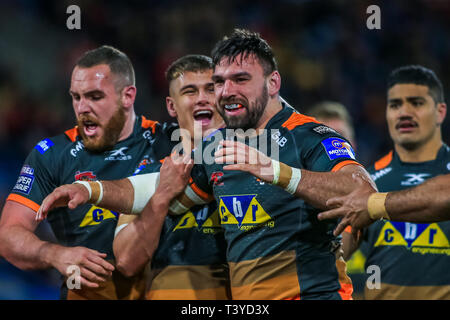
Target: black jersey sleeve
[38, 176]
[323, 149]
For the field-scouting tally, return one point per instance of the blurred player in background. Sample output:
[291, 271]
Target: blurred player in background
[412, 256]
[334, 115]
[108, 143]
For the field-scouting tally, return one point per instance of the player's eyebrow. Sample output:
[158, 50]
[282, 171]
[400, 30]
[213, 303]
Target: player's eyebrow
[414, 98]
[188, 86]
[395, 100]
[232, 76]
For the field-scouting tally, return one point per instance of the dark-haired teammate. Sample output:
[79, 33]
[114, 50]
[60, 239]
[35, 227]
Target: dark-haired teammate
[412, 257]
[109, 143]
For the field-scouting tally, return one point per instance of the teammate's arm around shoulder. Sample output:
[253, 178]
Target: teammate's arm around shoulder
[137, 237]
[125, 195]
[314, 187]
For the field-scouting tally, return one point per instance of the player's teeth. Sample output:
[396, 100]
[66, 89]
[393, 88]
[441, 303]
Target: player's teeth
[206, 112]
[232, 106]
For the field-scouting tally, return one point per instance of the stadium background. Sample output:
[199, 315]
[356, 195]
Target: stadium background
[324, 51]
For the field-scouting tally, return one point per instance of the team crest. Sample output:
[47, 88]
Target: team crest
[85, 176]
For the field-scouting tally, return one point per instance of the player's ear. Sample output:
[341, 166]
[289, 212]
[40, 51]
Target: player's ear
[274, 83]
[128, 95]
[170, 104]
[441, 109]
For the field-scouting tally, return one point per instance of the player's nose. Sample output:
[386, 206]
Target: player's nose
[83, 106]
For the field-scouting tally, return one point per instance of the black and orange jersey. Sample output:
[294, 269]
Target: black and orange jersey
[63, 159]
[412, 257]
[276, 246]
[190, 261]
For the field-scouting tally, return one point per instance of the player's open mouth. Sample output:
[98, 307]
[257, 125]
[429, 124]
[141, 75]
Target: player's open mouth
[204, 116]
[90, 128]
[406, 126]
[234, 108]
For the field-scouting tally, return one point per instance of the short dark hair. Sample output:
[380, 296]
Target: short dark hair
[246, 43]
[118, 62]
[419, 75]
[188, 63]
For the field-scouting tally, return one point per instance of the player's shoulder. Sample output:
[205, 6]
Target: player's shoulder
[301, 124]
[381, 166]
[55, 144]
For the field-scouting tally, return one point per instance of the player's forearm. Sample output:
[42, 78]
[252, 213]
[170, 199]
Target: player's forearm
[429, 202]
[135, 245]
[117, 196]
[317, 187]
[24, 249]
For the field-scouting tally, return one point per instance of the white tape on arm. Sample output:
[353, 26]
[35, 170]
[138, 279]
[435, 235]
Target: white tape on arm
[144, 186]
[86, 185]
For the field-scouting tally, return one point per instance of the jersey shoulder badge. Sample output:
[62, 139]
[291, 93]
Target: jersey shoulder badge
[338, 148]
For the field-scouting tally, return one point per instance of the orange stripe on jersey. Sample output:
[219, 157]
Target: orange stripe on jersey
[346, 291]
[384, 162]
[149, 124]
[72, 134]
[202, 194]
[25, 201]
[297, 119]
[342, 164]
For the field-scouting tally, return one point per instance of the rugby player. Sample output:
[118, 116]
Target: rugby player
[108, 143]
[190, 261]
[176, 272]
[411, 255]
[276, 247]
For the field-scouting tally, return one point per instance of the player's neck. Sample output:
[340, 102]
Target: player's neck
[426, 152]
[273, 107]
[128, 126]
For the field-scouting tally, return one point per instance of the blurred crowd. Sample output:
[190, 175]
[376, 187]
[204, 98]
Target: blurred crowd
[324, 51]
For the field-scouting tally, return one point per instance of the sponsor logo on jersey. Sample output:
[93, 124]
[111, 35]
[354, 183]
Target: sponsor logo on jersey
[78, 147]
[413, 179]
[279, 139]
[85, 176]
[323, 130]
[25, 180]
[244, 211]
[118, 154]
[380, 173]
[149, 136]
[216, 178]
[338, 148]
[202, 219]
[145, 162]
[44, 145]
[418, 237]
[96, 215]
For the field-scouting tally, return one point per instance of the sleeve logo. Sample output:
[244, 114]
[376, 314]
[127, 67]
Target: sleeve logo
[338, 148]
[25, 180]
[44, 145]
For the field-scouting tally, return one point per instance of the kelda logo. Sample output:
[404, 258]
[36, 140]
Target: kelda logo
[216, 178]
[85, 176]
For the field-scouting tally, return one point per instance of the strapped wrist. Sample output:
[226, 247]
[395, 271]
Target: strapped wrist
[376, 206]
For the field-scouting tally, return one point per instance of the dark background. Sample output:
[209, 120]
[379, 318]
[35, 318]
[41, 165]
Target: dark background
[324, 51]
